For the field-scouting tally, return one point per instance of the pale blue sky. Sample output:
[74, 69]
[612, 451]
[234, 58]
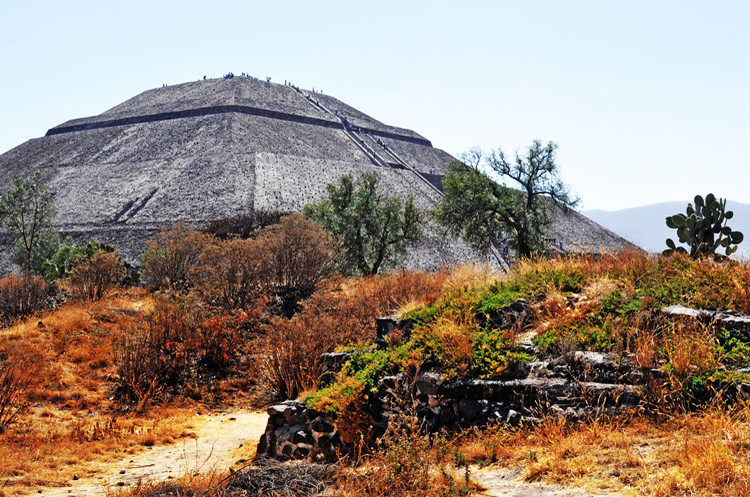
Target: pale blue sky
[648, 100]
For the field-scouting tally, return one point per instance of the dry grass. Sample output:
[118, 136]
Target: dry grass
[469, 275]
[56, 444]
[72, 426]
[452, 339]
[690, 454]
[690, 347]
[697, 455]
[341, 313]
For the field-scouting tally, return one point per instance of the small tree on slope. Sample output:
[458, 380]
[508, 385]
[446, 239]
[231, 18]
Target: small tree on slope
[26, 210]
[477, 208]
[374, 229]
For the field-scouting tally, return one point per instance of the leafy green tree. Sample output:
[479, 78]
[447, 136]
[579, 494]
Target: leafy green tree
[478, 209]
[59, 264]
[374, 229]
[704, 229]
[70, 255]
[45, 246]
[26, 210]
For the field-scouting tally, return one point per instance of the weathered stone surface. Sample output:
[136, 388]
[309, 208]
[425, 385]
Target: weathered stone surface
[303, 436]
[725, 319]
[513, 417]
[331, 363]
[599, 367]
[386, 327]
[469, 409]
[323, 425]
[513, 315]
[452, 405]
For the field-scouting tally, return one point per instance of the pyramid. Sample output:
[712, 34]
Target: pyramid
[199, 151]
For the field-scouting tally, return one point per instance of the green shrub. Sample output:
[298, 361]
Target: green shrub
[375, 229]
[60, 264]
[618, 304]
[357, 381]
[493, 355]
[735, 348]
[541, 277]
[46, 244]
[496, 297]
[546, 342]
[601, 338]
[69, 255]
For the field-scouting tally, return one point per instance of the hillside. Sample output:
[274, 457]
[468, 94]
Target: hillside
[582, 326]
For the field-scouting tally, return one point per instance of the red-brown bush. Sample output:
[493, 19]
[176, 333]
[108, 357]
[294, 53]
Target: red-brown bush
[230, 273]
[15, 378]
[337, 314]
[218, 338]
[21, 296]
[178, 342]
[170, 257]
[156, 355]
[93, 278]
[298, 254]
[243, 225]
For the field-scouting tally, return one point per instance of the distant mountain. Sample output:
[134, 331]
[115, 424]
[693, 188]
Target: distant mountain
[646, 226]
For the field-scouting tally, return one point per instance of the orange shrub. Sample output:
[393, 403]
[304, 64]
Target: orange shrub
[21, 296]
[298, 255]
[291, 365]
[230, 273]
[337, 314]
[93, 278]
[15, 378]
[218, 339]
[243, 225]
[170, 257]
[177, 344]
[156, 354]
[139, 378]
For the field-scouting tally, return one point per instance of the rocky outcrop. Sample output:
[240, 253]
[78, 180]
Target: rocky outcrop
[296, 432]
[577, 385]
[724, 319]
[591, 384]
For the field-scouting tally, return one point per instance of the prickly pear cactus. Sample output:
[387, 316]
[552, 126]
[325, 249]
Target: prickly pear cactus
[704, 229]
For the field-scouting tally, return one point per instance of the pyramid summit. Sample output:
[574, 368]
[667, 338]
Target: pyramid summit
[199, 151]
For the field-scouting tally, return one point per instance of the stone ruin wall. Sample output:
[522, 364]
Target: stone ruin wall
[583, 386]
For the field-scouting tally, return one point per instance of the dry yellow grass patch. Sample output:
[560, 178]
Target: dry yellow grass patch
[690, 454]
[470, 275]
[53, 445]
[71, 424]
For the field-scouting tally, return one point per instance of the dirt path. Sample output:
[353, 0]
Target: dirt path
[221, 440]
[504, 482]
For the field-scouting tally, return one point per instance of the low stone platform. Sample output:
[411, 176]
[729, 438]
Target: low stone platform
[588, 384]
